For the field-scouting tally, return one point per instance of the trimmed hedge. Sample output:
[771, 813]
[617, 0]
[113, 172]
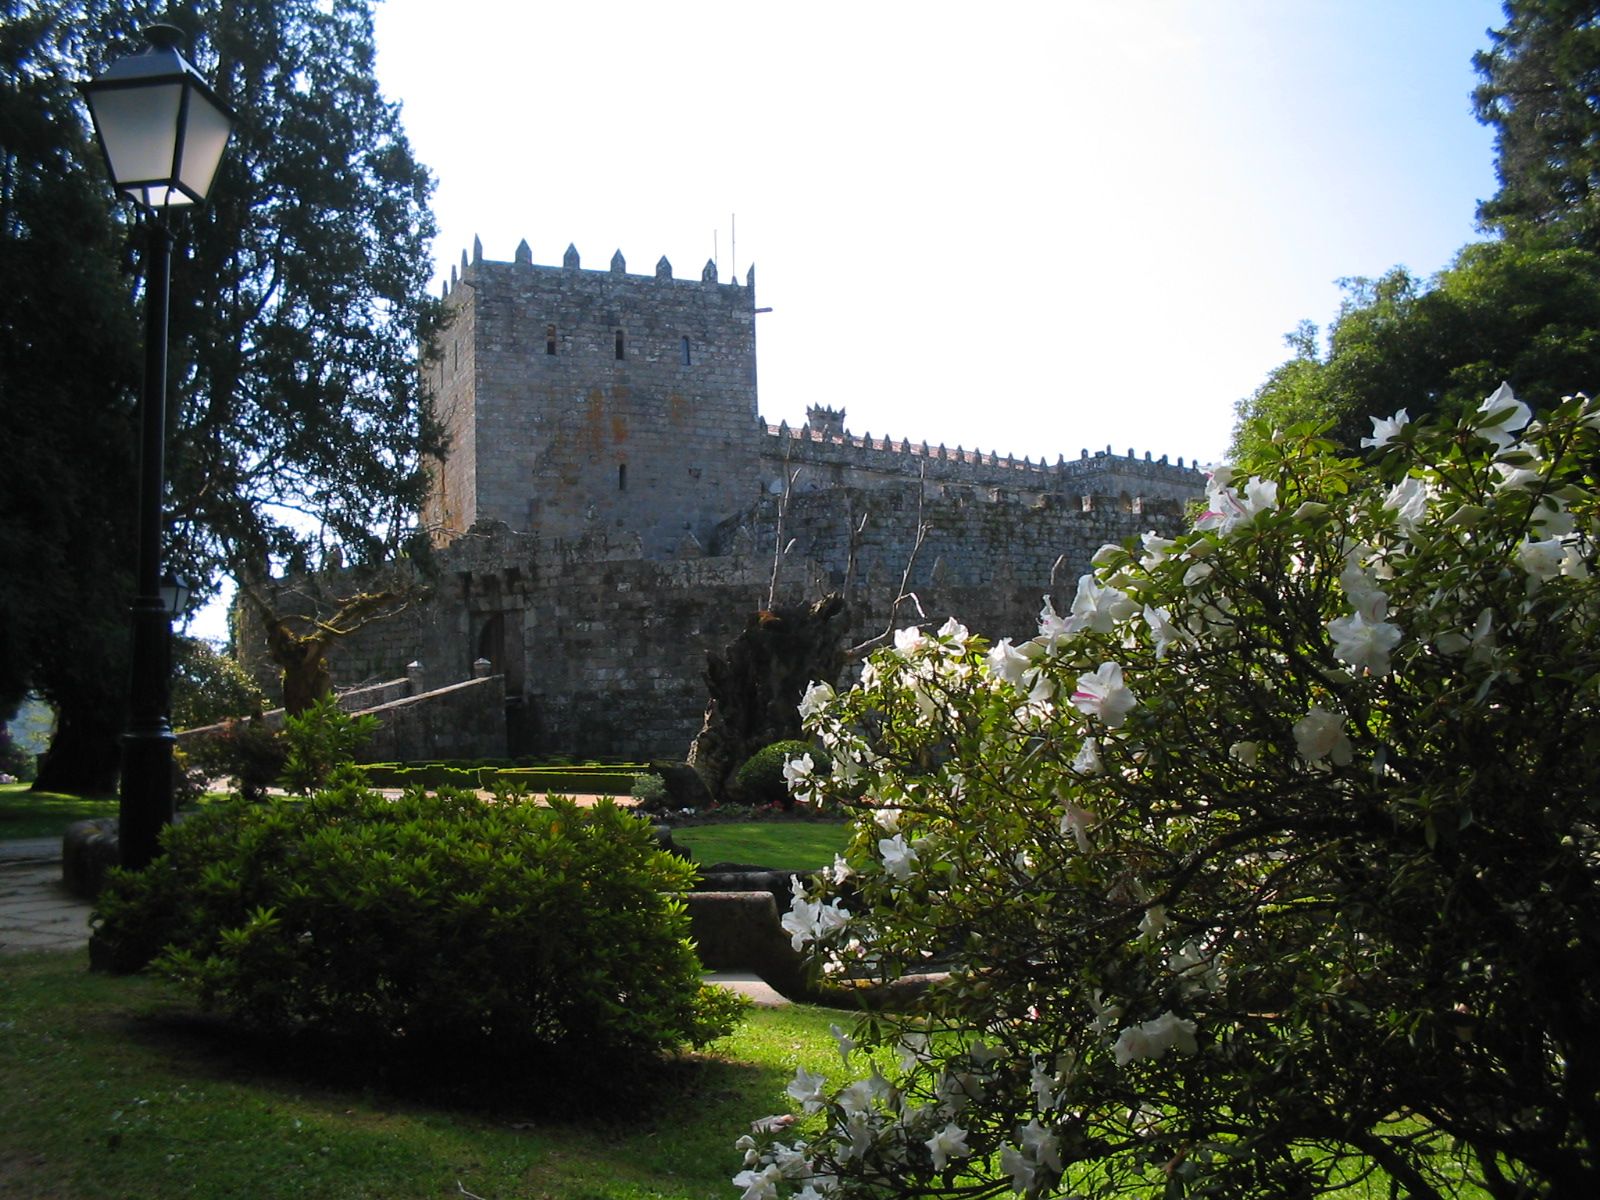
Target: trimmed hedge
[424, 922]
[608, 779]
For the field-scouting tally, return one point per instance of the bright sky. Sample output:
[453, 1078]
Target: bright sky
[1028, 227]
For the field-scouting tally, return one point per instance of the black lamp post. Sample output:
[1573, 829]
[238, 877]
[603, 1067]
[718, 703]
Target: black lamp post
[163, 132]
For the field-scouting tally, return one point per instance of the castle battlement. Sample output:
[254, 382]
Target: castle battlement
[836, 457]
[522, 259]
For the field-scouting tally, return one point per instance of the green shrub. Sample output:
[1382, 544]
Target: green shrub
[321, 742]
[245, 751]
[429, 921]
[649, 789]
[761, 780]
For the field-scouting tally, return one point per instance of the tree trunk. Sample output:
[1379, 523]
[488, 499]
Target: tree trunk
[85, 753]
[756, 685]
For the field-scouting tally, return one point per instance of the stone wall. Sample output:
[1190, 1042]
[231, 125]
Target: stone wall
[603, 651]
[580, 400]
[463, 721]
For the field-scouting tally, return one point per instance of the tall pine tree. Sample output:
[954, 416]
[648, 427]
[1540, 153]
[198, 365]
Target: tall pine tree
[1541, 93]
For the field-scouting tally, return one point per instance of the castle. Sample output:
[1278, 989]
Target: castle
[613, 506]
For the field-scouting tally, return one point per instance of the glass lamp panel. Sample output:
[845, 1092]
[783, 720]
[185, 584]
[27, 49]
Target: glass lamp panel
[205, 137]
[138, 128]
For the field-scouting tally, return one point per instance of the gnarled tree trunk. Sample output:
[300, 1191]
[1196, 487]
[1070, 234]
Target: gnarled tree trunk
[756, 685]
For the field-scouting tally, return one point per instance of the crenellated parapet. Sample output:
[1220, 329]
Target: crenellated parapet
[828, 456]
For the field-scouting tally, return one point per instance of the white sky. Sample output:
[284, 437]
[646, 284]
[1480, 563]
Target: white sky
[1025, 227]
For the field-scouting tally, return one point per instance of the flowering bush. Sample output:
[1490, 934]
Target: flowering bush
[1272, 860]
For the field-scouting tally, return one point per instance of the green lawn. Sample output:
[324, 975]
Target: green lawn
[25, 814]
[781, 845]
[116, 1088]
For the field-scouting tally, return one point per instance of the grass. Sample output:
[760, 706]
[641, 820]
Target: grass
[116, 1087]
[781, 845]
[26, 814]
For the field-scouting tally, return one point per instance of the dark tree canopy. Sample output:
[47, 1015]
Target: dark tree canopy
[299, 301]
[1500, 312]
[69, 365]
[1541, 93]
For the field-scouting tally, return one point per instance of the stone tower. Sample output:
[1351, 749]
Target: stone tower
[587, 402]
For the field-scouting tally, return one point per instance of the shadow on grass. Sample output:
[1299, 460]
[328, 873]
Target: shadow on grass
[549, 1088]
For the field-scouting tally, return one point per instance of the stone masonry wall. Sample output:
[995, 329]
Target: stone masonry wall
[580, 400]
[603, 652]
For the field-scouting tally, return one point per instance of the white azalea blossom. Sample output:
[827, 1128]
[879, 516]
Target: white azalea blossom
[817, 698]
[1017, 1164]
[1102, 694]
[1156, 549]
[1246, 754]
[1408, 500]
[950, 1142]
[1087, 761]
[805, 1089]
[1099, 607]
[1320, 734]
[898, 856]
[1503, 416]
[1541, 560]
[1162, 629]
[1152, 1039]
[1041, 1144]
[1364, 644]
[1386, 429]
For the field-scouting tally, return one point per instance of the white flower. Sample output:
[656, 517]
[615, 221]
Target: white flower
[1154, 921]
[912, 1049]
[857, 1098]
[1052, 627]
[806, 1089]
[1361, 589]
[811, 920]
[1573, 562]
[1019, 1166]
[1513, 478]
[1226, 509]
[1098, 607]
[953, 630]
[1503, 416]
[898, 856]
[1156, 549]
[1197, 574]
[1088, 761]
[1384, 431]
[1408, 500]
[1320, 734]
[908, 641]
[1102, 694]
[1152, 1039]
[1542, 560]
[1364, 644]
[1162, 629]
[1246, 754]
[797, 777]
[1042, 1144]
[759, 1185]
[950, 1142]
[887, 819]
[1077, 821]
[818, 696]
[844, 1041]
